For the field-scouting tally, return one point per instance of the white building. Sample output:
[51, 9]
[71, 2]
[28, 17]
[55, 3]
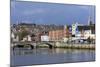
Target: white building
[44, 38]
[65, 39]
[84, 31]
[14, 37]
[29, 38]
[74, 27]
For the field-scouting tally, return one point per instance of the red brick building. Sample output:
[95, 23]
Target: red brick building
[56, 35]
[59, 34]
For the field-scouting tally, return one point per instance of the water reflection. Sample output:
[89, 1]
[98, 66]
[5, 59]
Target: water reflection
[50, 51]
[46, 56]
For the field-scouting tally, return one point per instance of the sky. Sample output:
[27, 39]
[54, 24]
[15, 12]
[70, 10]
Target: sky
[51, 13]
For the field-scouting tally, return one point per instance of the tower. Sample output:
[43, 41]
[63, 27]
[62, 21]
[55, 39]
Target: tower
[74, 28]
[90, 20]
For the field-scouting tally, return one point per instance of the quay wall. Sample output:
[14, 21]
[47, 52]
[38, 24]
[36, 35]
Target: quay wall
[77, 46]
[62, 45]
[74, 46]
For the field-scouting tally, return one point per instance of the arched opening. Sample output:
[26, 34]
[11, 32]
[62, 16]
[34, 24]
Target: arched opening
[50, 46]
[23, 46]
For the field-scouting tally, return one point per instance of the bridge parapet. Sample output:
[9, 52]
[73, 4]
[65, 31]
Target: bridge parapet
[35, 43]
[47, 43]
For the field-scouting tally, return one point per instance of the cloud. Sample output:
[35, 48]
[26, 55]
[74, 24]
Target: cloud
[46, 13]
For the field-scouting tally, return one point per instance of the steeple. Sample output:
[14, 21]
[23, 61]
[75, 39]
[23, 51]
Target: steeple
[90, 20]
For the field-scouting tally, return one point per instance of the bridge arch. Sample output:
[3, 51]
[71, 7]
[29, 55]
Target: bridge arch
[23, 46]
[32, 45]
[50, 45]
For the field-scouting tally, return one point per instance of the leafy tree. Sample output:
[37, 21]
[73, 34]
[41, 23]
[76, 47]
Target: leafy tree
[22, 34]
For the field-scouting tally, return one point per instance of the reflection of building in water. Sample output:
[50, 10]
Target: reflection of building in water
[24, 52]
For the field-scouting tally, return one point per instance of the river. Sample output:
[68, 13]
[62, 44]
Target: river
[39, 56]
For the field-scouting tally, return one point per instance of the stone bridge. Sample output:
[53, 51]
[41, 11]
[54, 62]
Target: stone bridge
[34, 44]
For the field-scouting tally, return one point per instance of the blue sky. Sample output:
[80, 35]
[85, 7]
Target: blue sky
[47, 13]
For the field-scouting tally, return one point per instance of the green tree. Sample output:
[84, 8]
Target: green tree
[22, 34]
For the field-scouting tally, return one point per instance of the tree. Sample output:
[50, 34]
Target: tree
[22, 34]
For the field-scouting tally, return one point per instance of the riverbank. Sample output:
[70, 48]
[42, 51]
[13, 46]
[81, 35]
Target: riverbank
[58, 45]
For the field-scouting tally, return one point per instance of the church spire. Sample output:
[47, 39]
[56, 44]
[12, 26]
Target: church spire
[90, 20]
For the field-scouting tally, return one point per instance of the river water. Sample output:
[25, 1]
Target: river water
[37, 56]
